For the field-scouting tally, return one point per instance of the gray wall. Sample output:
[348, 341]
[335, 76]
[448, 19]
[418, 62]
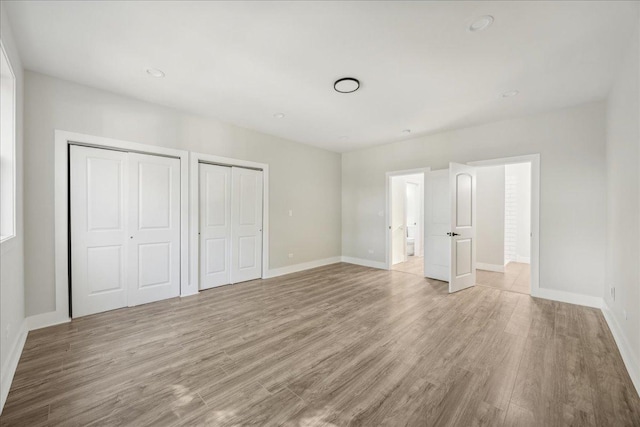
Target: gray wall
[304, 179]
[573, 184]
[623, 199]
[11, 253]
[490, 215]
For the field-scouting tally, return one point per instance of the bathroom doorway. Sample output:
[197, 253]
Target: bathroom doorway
[407, 223]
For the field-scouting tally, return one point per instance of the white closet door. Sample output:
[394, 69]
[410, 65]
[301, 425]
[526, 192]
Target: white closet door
[98, 188]
[154, 228]
[246, 224]
[215, 226]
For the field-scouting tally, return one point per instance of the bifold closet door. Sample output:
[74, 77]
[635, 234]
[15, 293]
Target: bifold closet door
[98, 208]
[215, 225]
[154, 228]
[246, 224]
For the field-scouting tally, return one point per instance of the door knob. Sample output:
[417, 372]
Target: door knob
[452, 234]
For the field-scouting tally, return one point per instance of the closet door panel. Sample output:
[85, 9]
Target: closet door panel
[215, 225]
[154, 228]
[246, 224]
[97, 191]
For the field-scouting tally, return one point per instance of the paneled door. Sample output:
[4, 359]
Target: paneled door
[98, 209]
[462, 185]
[437, 219]
[215, 225]
[154, 228]
[246, 224]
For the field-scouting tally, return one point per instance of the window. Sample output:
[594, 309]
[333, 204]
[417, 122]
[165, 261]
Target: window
[7, 148]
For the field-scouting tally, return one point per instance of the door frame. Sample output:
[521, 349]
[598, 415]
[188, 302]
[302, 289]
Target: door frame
[388, 237]
[63, 139]
[534, 159]
[194, 184]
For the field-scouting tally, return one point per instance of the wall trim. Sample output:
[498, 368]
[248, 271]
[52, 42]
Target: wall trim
[523, 259]
[490, 267]
[11, 364]
[44, 320]
[629, 357]
[365, 262]
[275, 272]
[568, 297]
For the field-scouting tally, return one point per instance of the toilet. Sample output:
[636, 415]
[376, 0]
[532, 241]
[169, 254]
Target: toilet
[411, 241]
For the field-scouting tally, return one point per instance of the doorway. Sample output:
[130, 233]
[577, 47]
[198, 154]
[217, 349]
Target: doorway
[504, 227]
[406, 229]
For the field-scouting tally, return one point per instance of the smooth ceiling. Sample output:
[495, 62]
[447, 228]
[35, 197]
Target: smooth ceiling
[419, 67]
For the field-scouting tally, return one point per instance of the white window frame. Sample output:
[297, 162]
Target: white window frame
[4, 239]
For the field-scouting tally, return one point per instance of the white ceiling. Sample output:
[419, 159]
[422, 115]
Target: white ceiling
[420, 68]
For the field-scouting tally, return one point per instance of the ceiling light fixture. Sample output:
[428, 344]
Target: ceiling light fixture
[480, 24]
[154, 72]
[346, 85]
[510, 93]
[279, 115]
[406, 131]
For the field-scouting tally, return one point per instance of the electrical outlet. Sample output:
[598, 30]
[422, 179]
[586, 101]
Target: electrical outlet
[613, 293]
[290, 255]
[370, 251]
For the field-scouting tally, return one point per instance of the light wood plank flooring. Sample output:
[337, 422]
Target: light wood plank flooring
[516, 278]
[413, 265]
[336, 345]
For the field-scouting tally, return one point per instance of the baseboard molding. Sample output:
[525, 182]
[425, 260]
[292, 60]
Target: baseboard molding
[490, 267]
[43, 320]
[523, 259]
[275, 272]
[568, 297]
[10, 365]
[629, 357]
[365, 262]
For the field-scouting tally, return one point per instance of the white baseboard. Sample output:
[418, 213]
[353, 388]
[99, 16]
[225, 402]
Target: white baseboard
[523, 259]
[490, 267]
[365, 262]
[626, 350]
[10, 365]
[568, 297]
[43, 320]
[275, 272]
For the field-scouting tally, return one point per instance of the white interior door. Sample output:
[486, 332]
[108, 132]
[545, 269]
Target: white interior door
[462, 185]
[215, 225]
[98, 206]
[246, 224]
[154, 228]
[437, 213]
[398, 220]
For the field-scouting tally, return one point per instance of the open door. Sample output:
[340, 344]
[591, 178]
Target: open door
[398, 220]
[462, 193]
[437, 221]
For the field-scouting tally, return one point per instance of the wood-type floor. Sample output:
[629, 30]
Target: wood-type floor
[516, 278]
[337, 345]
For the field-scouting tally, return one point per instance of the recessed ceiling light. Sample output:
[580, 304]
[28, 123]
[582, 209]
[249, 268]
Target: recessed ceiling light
[406, 131]
[481, 23]
[154, 72]
[346, 85]
[510, 93]
[279, 115]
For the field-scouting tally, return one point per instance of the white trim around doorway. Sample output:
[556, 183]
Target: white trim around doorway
[61, 215]
[194, 160]
[388, 176]
[534, 159]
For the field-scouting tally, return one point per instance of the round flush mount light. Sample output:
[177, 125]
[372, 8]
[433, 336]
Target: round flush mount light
[279, 115]
[510, 93]
[346, 85]
[480, 24]
[154, 72]
[406, 131]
